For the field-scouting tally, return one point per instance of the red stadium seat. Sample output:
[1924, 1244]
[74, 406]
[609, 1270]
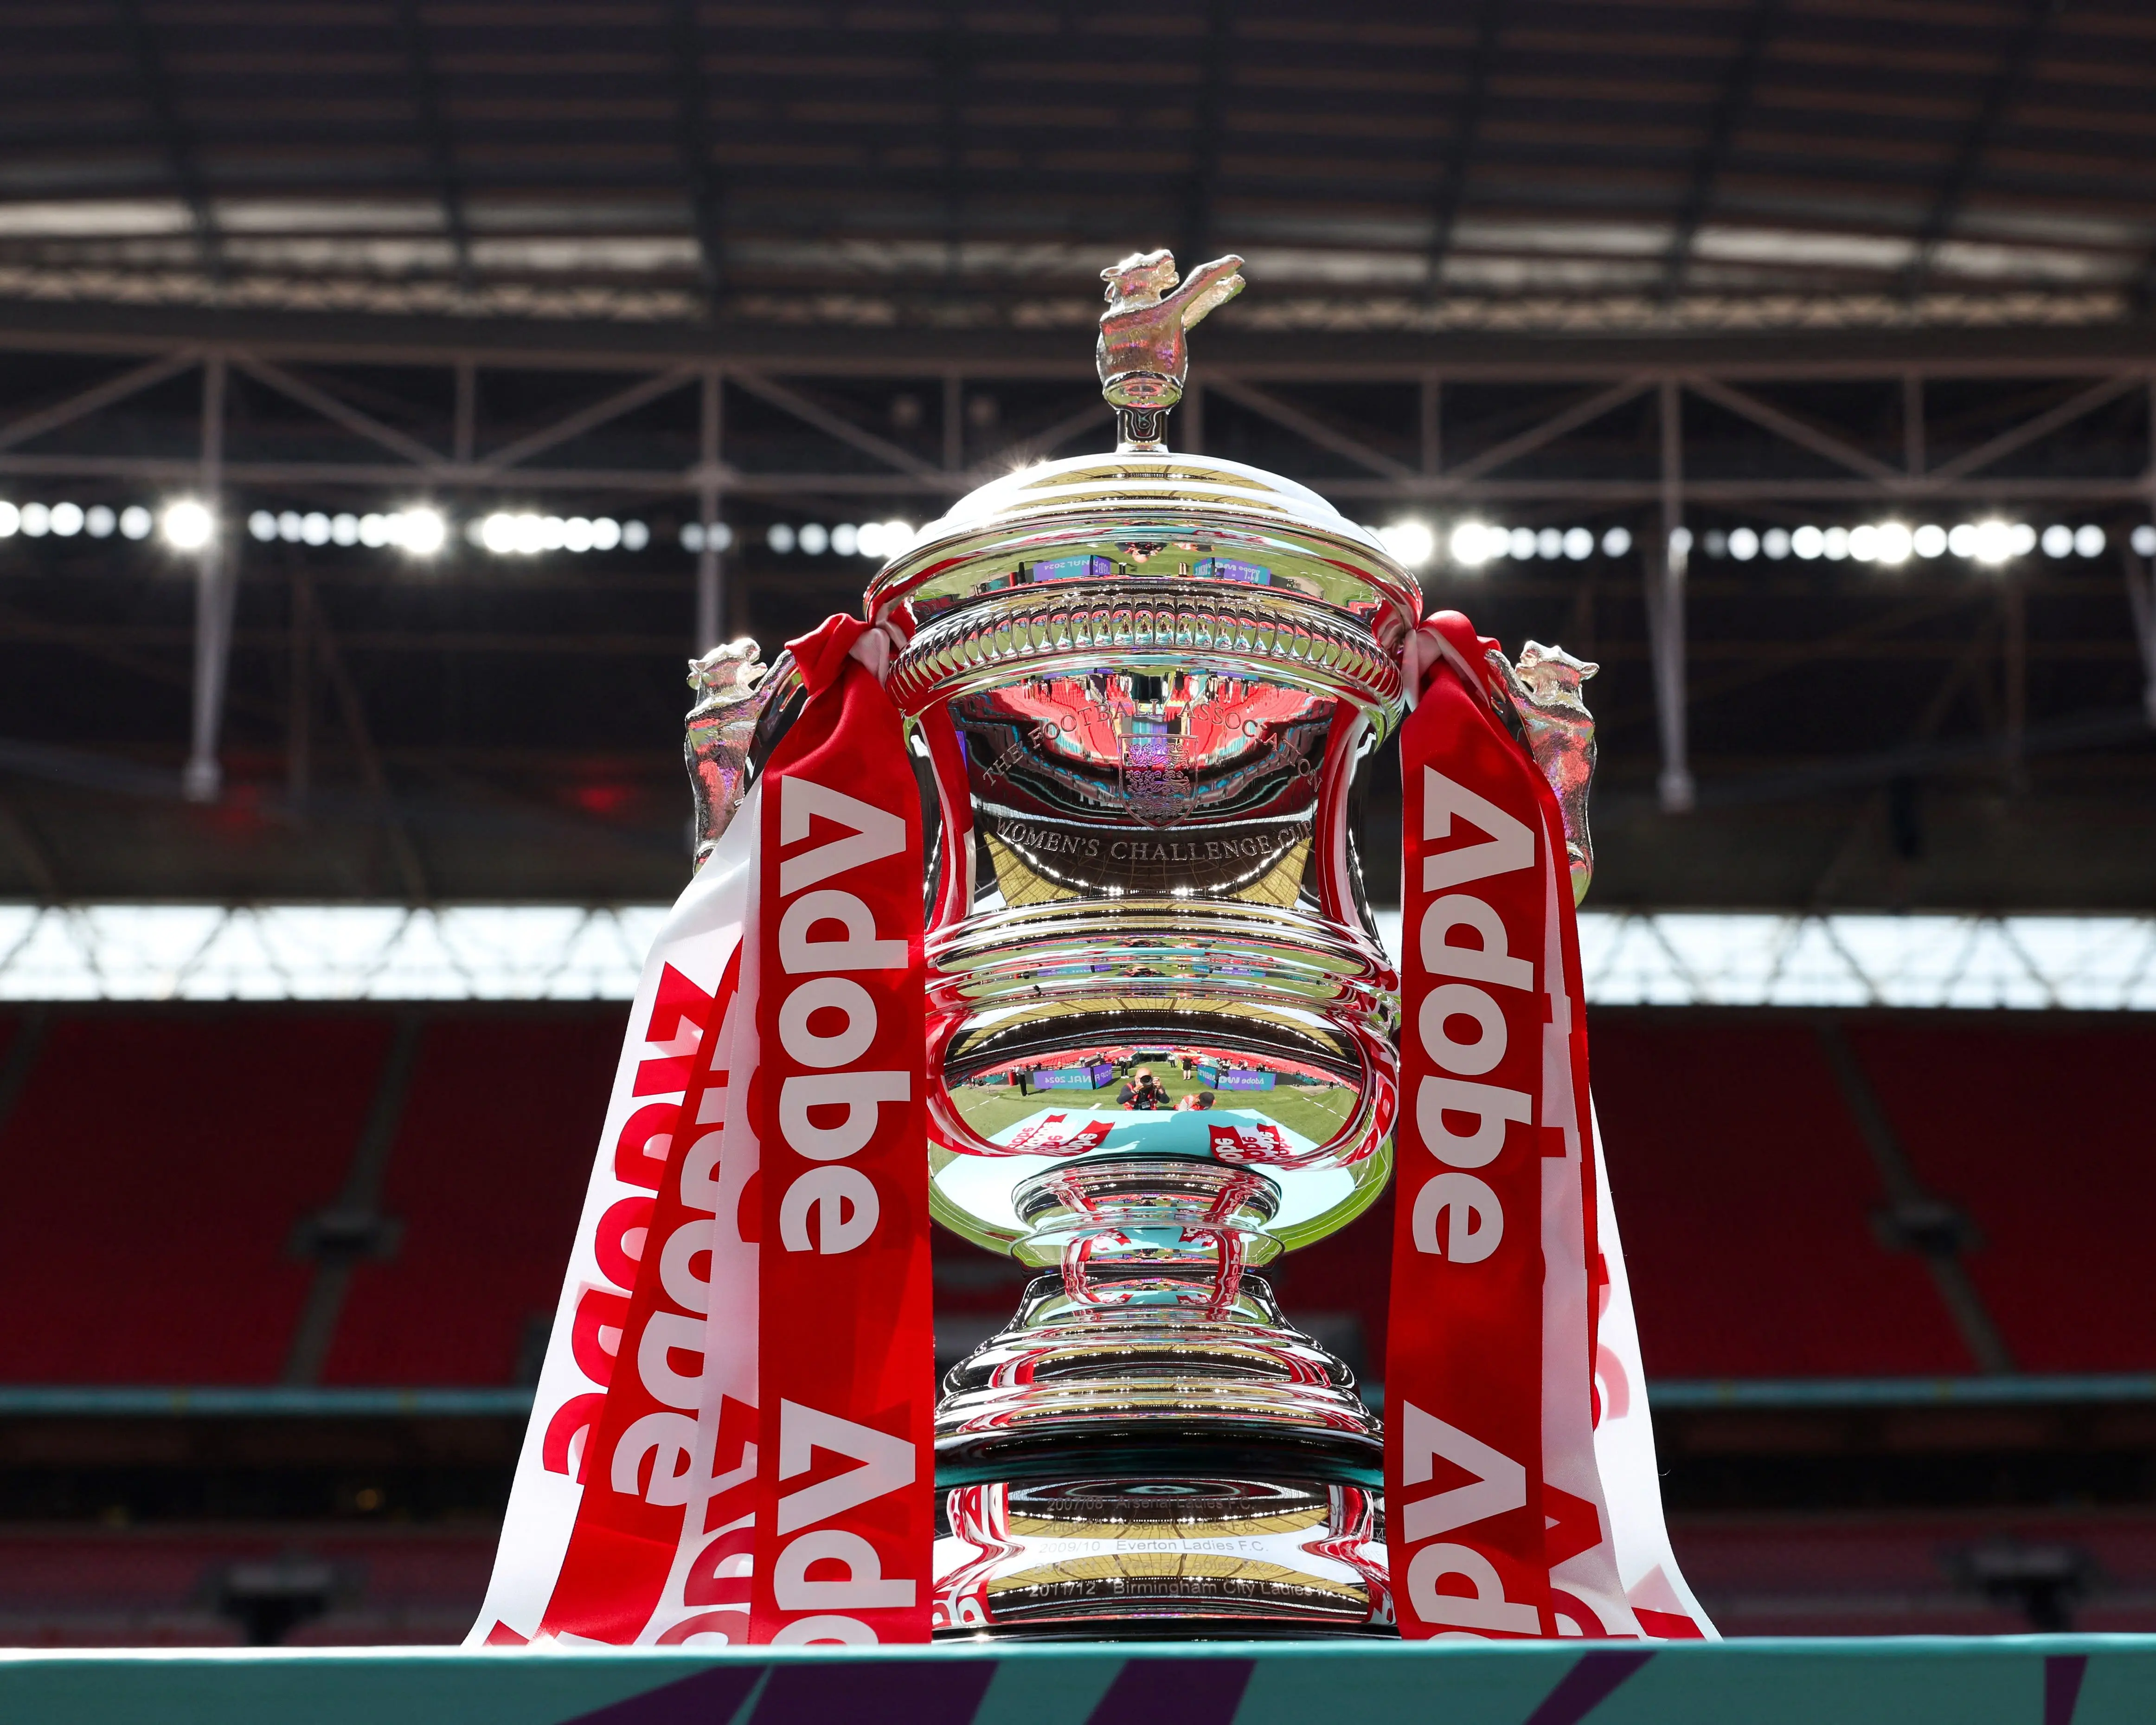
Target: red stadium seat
[159, 1586]
[1743, 1192]
[158, 1163]
[1901, 1573]
[162, 1159]
[488, 1175]
[2039, 1132]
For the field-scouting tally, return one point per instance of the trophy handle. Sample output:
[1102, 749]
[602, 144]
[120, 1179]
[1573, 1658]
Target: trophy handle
[742, 709]
[952, 883]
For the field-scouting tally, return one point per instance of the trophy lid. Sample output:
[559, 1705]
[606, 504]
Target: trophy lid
[1141, 517]
[1141, 513]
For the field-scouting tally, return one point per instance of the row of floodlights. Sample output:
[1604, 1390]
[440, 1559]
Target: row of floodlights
[420, 531]
[882, 540]
[1471, 544]
[1892, 542]
[63, 520]
[526, 535]
[424, 531]
[187, 525]
[1474, 543]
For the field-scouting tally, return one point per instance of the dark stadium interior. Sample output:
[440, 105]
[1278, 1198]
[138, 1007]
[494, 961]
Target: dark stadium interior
[1737, 268]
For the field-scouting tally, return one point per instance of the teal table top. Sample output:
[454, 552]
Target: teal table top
[2027, 1680]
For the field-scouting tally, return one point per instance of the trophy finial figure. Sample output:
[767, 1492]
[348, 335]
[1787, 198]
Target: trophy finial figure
[1141, 355]
[1545, 688]
[731, 690]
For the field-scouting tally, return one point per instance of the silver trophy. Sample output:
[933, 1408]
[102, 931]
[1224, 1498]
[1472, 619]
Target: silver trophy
[1160, 1022]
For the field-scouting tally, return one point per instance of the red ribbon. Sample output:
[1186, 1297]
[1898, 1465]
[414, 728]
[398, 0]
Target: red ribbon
[1464, 1371]
[845, 1460]
[763, 1466]
[644, 1463]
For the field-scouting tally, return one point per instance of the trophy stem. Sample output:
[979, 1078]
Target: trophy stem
[1139, 431]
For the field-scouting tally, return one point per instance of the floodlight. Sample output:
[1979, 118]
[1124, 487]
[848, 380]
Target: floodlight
[188, 524]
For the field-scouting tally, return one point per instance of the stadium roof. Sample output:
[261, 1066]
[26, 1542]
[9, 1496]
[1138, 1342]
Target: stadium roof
[1716, 163]
[681, 279]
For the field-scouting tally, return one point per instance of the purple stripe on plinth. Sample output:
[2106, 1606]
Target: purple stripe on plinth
[1174, 1692]
[709, 1697]
[848, 1692]
[2063, 1686]
[1588, 1685]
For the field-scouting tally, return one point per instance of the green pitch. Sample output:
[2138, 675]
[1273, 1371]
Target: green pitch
[1315, 1111]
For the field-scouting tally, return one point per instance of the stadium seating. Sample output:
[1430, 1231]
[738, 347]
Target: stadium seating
[96, 1587]
[2040, 1135]
[163, 1158]
[1897, 1572]
[157, 1164]
[1915, 1573]
[487, 1177]
[1744, 1195]
[163, 1162]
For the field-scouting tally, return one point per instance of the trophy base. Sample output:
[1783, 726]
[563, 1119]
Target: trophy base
[1149, 1448]
[1175, 1629]
[1164, 1556]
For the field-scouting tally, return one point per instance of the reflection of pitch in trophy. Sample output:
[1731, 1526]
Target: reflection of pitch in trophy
[1161, 1026]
